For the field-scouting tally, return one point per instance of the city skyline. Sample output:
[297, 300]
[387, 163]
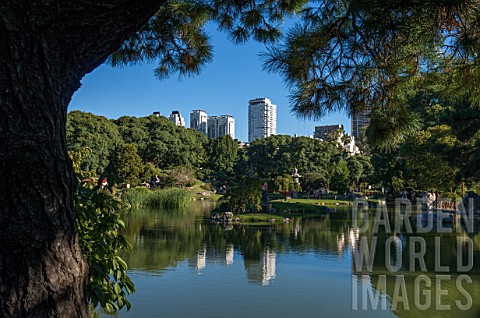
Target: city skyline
[222, 87]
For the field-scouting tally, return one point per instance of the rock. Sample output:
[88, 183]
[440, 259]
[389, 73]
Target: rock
[228, 215]
[271, 220]
[286, 220]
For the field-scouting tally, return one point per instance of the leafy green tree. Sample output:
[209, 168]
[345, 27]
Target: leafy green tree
[387, 167]
[285, 184]
[427, 169]
[355, 167]
[130, 166]
[95, 132]
[314, 180]
[279, 155]
[243, 197]
[162, 143]
[222, 154]
[340, 179]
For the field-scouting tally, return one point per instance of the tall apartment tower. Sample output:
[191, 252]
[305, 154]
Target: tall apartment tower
[219, 126]
[176, 118]
[360, 121]
[198, 121]
[262, 119]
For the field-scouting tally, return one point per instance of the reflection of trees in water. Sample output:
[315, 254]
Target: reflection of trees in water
[163, 238]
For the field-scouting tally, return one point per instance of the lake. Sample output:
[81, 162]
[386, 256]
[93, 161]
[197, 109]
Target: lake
[184, 266]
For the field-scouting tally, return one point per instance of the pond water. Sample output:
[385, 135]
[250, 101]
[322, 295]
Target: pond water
[184, 266]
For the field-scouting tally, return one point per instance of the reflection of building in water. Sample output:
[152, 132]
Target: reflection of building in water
[296, 230]
[201, 260]
[211, 255]
[263, 270]
[348, 240]
[229, 255]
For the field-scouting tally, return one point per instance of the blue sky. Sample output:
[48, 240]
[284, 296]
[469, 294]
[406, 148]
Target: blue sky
[223, 88]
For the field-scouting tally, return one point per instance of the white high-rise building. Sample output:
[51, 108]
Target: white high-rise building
[177, 119]
[198, 121]
[262, 119]
[219, 126]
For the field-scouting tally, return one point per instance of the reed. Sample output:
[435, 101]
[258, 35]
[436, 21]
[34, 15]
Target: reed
[163, 198]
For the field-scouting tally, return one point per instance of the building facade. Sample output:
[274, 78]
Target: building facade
[360, 122]
[199, 121]
[219, 126]
[177, 119]
[262, 119]
[322, 132]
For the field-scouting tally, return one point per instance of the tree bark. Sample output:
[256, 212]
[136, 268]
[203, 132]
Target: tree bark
[46, 47]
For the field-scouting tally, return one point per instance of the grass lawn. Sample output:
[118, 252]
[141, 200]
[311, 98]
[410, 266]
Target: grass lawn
[258, 218]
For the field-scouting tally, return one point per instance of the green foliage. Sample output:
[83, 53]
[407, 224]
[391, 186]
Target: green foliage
[150, 170]
[355, 167]
[245, 196]
[162, 143]
[130, 166]
[314, 180]
[285, 183]
[222, 154]
[340, 179]
[427, 169]
[100, 135]
[161, 198]
[99, 229]
[280, 155]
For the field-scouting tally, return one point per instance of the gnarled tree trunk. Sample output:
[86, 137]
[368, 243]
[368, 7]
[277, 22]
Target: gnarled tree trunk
[46, 47]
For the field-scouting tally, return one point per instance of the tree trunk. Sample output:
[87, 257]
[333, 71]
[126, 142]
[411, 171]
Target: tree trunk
[46, 47]
[42, 271]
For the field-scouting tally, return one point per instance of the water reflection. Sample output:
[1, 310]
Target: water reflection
[162, 240]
